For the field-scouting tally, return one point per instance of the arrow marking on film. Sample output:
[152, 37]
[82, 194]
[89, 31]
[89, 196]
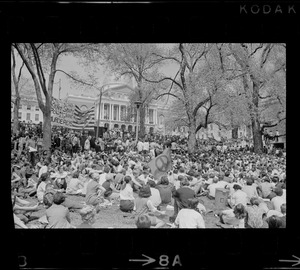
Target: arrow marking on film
[148, 260]
[296, 261]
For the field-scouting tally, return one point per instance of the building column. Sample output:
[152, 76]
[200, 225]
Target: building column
[119, 108]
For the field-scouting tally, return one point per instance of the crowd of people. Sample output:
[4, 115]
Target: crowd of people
[114, 170]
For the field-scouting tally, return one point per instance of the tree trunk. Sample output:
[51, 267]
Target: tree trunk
[257, 137]
[142, 121]
[47, 127]
[16, 115]
[192, 136]
[256, 130]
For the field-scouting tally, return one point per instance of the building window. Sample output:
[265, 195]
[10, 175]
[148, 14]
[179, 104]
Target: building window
[151, 118]
[116, 112]
[36, 118]
[161, 120]
[27, 116]
[106, 111]
[19, 115]
[130, 128]
[28, 107]
[37, 108]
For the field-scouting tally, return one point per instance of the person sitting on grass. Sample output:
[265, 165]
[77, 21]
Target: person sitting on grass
[111, 193]
[250, 189]
[212, 188]
[87, 214]
[237, 197]
[143, 205]
[234, 218]
[275, 222]
[255, 214]
[44, 180]
[75, 186]
[146, 222]
[278, 200]
[58, 216]
[126, 195]
[22, 210]
[165, 190]
[94, 191]
[190, 217]
[155, 195]
[60, 182]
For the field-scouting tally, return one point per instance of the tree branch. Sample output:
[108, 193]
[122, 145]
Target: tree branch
[200, 104]
[170, 94]
[199, 57]
[263, 97]
[166, 57]
[163, 79]
[199, 127]
[33, 75]
[257, 48]
[265, 54]
[39, 68]
[20, 71]
[72, 77]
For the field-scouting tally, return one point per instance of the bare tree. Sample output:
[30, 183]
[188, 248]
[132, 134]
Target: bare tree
[41, 60]
[261, 64]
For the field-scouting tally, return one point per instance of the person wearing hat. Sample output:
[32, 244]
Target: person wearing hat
[87, 214]
[190, 217]
[58, 216]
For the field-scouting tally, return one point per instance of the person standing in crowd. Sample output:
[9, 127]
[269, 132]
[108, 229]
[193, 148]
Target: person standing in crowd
[75, 142]
[140, 146]
[31, 151]
[87, 144]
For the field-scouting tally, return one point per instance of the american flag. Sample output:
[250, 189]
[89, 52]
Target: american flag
[84, 119]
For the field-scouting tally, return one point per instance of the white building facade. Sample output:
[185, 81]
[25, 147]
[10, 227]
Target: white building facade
[115, 110]
[29, 111]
